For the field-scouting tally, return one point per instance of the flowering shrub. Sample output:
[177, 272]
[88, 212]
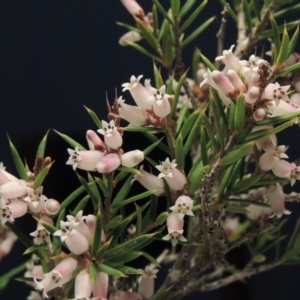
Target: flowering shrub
[224, 120]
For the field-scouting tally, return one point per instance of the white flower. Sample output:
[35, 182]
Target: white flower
[6, 214]
[36, 199]
[276, 92]
[183, 206]
[160, 102]
[112, 137]
[166, 168]
[271, 157]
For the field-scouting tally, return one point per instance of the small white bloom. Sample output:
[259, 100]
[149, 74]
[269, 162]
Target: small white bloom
[166, 168]
[35, 198]
[112, 137]
[183, 206]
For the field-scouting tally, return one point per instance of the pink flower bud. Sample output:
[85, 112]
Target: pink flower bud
[85, 160]
[129, 37]
[83, 285]
[108, 163]
[132, 158]
[52, 206]
[236, 80]
[61, 274]
[259, 114]
[133, 8]
[224, 84]
[101, 286]
[252, 95]
[133, 114]
[94, 141]
[252, 79]
[138, 92]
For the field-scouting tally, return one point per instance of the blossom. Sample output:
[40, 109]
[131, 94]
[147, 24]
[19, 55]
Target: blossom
[5, 176]
[183, 206]
[129, 37]
[112, 137]
[146, 281]
[138, 92]
[13, 189]
[271, 157]
[94, 141]
[41, 234]
[160, 103]
[100, 288]
[61, 274]
[6, 214]
[171, 174]
[276, 92]
[175, 229]
[287, 170]
[230, 60]
[85, 160]
[149, 181]
[276, 199]
[36, 199]
[83, 285]
[133, 8]
[7, 240]
[109, 163]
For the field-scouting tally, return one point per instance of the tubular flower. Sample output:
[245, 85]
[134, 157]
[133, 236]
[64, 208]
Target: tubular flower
[229, 59]
[276, 92]
[112, 137]
[286, 169]
[183, 206]
[83, 285]
[129, 37]
[100, 288]
[5, 176]
[6, 214]
[133, 8]
[7, 240]
[271, 157]
[94, 141]
[146, 283]
[13, 189]
[175, 229]
[138, 92]
[85, 160]
[36, 199]
[276, 199]
[133, 114]
[160, 103]
[109, 163]
[171, 174]
[61, 274]
[149, 181]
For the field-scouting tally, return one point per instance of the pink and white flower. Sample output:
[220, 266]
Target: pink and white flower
[183, 206]
[112, 137]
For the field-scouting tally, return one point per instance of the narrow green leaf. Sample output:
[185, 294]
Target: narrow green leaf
[179, 153]
[196, 178]
[188, 123]
[70, 141]
[225, 179]
[276, 36]
[41, 176]
[203, 146]
[231, 12]
[139, 218]
[239, 113]
[151, 212]
[161, 218]
[284, 48]
[81, 204]
[286, 11]
[153, 146]
[133, 199]
[237, 154]
[122, 194]
[34, 248]
[147, 34]
[7, 277]
[210, 133]
[161, 295]
[42, 147]
[168, 53]
[102, 186]
[163, 12]
[142, 129]
[114, 222]
[129, 27]
[135, 244]
[193, 16]
[154, 139]
[93, 272]
[183, 115]
[155, 21]
[177, 94]
[94, 117]
[197, 32]
[125, 269]
[244, 185]
[72, 197]
[90, 190]
[256, 8]
[126, 257]
[22, 171]
[207, 62]
[279, 119]
[236, 209]
[157, 77]
[247, 13]
[289, 69]
[186, 7]
[49, 227]
[193, 134]
[293, 42]
[269, 33]
[97, 235]
[144, 51]
[103, 248]
[293, 236]
[175, 6]
[220, 133]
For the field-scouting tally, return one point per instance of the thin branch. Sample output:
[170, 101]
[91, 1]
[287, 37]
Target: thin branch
[239, 276]
[221, 33]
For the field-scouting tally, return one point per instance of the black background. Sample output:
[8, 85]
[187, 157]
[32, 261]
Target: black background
[58, 55]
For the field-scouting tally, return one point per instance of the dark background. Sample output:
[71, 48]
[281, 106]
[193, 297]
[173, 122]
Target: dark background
[57, 56]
